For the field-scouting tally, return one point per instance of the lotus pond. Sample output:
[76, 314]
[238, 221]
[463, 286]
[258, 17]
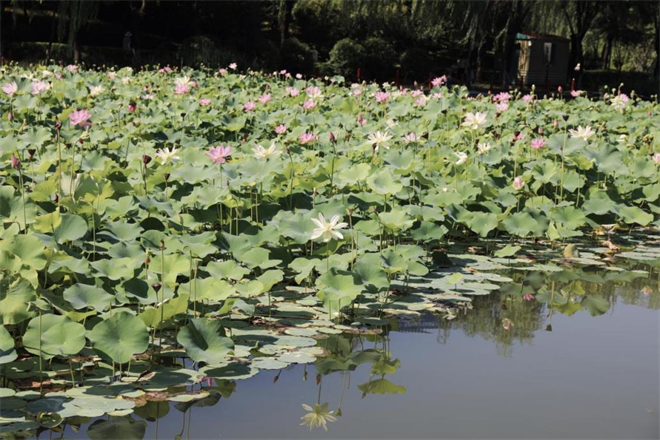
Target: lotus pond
[171, 238]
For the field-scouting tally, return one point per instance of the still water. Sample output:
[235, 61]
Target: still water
[546, 375]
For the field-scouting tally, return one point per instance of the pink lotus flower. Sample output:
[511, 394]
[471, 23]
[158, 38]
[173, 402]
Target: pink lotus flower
[502, 97]
[528, 297]
[181, 89]
[410, 137]
[656, 158]
[309, 104]
[502, 107]
[283, 72]
[361, 120]
[382, 97]
[15, 162]
[204, 102]
[507, 324]
[298, 76]
[10, 88]
[194, 84]
[292, 91]
[438, 95]
[313, 92]
[219, 154]
[357, 92]
[39, 87]
[416, 93]
[518, 183]
[72, 68]
[527, 98]
[222, 71]
[306, 138]
[265, 98]
[440, 81]
[79, 117]
[560, 89]
[576, 93]
[420, 102]
[538, 143]
[280, 129]
[249, 106]
[131, 108]
[233, 66]
[519, 136]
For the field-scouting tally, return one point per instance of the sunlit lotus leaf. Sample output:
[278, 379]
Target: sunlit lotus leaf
[14, 300]
[120, 337]
[226, 269]
[267, 363]
[72, 227]
[152, 316]
[296, 357]
[82, 296]
[384, 183]
[59, 336]
[205, 341]
[507, 251]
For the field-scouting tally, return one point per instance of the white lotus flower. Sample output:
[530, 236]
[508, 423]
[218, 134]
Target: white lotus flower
[462, 157]
[582, 132]
[183, 81]
[379, 139]
[483, 147]
[166, 156]
[264, 153]
[327, 230]
[474, 120]
[95, 90]
[318, 416]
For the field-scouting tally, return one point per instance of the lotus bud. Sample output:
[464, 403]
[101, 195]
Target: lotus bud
[15, 162]
[162, 244]
[10, 117]
[332, 138]
[166, 176]
[146, 159]
[157, 286]
[31, 152]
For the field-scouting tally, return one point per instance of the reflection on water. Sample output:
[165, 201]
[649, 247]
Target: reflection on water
[576, 356]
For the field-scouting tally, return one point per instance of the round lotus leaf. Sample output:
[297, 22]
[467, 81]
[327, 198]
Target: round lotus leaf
[123, 428]
[7, 351]
[120, 337]
[59, 336]
[295, 341]
[296, 357]
[205, 341]
[49, 420]
[230, 371]
[266, 363]
[300, 332]
[82, 296]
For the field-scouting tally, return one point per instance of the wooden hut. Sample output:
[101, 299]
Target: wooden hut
[542, 60]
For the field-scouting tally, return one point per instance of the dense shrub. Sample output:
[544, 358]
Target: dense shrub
[416, 64]
[296, 56]
[346, 57]
[379, 60]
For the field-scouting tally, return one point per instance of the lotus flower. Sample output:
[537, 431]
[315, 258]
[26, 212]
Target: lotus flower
[619, 101]
[79, 117]
[95, 90]
[280, 129]
[306, 138]
[249, 106]
[483, 147]
[10, 88]
[264, 153]
[382, 97]
[319, 416]
[204, 102]
[39, 87]
[462, 157]
[379, 139]
[309, 104]
[15, 162]
[518, 183]
[474, 121]
[233, 66]
[538, 143]
[313, 92]
[265, 98]
[167, 156]
[410, 137]
[527, 98]
[582, 132]
[218, 154]
[656, 158]
[528, 297]
[437, 82]
[327, 230]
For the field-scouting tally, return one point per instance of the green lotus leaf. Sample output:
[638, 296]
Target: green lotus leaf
[7, 351]
[120, 337]
[381, 386]
[82, 296]
[60, 336]
[205, 341]
[15, 298]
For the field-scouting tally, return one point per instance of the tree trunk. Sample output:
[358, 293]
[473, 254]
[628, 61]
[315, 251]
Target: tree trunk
[284, 19]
